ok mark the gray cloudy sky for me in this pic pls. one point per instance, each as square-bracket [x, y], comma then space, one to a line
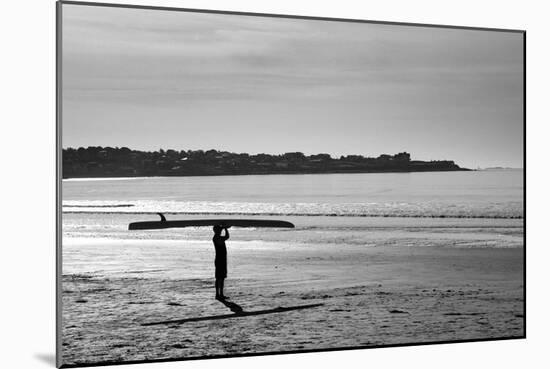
[150, 79]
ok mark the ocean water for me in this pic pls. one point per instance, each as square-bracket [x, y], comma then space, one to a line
[445, 209]
[494, 194]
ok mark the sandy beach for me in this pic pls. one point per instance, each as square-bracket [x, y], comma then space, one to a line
[151, 296]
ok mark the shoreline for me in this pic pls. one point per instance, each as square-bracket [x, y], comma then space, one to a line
[274, 174]
[243, 214]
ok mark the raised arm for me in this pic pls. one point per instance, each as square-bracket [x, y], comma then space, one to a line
[226, 237]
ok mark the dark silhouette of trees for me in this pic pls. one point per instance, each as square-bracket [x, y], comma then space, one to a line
[96, 161]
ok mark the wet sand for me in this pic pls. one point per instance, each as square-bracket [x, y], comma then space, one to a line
[154, 299]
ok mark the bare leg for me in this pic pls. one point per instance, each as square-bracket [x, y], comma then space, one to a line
[218, 288]
[221, 288]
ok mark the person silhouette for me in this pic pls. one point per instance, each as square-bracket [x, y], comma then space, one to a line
[220, 261]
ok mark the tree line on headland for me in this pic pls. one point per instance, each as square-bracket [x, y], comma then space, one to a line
[97, 161]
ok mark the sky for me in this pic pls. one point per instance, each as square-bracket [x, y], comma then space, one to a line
[149, 79]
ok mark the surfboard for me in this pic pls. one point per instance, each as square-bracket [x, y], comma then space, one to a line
[163, 223]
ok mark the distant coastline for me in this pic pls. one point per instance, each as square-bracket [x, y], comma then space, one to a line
[108, 162]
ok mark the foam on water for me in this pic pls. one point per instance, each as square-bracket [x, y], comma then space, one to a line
[101, 179]
[314, 231]
[510, 209]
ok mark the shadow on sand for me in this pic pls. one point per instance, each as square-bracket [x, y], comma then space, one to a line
[238, 312]
[46, 358]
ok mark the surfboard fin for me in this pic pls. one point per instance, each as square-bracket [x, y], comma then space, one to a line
[162, 217]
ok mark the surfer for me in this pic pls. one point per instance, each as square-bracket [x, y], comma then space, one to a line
[221, 259]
